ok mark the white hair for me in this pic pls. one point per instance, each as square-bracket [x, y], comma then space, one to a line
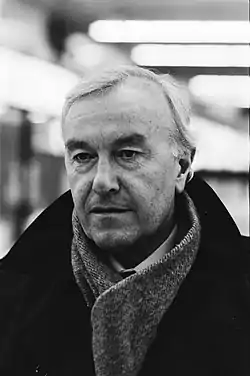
[102, 82]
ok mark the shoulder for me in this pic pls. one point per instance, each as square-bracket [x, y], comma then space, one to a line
[213, 214]
[35, 273]
[220, 237]
[47, 238]
[246, 244]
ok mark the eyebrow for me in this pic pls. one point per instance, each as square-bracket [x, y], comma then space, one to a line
[134, 139]
[74, 144]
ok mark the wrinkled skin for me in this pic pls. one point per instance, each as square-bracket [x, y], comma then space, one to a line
[118, 154]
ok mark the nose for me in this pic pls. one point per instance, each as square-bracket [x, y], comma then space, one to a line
[105, 179]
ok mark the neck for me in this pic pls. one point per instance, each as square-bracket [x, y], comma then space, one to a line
[133, 255]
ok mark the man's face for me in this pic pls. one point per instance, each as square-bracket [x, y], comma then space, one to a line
[119, 163]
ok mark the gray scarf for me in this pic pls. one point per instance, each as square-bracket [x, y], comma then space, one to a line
[125, 313]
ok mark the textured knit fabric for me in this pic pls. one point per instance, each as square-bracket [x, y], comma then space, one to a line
[126, 312]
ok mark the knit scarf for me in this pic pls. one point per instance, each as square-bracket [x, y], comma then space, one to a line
[125, 313]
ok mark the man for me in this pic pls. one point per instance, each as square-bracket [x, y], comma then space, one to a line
[141, 271]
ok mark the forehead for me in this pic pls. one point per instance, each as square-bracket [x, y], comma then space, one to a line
[136, 103]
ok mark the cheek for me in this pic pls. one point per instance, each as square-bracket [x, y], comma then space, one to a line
[79, 186]
[161, 181]
[72, 179]
[161, 191]
[152, 193]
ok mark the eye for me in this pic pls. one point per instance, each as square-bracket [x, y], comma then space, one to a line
[83, 157]
[127, 154]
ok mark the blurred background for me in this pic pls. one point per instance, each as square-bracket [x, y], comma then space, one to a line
[45, 45]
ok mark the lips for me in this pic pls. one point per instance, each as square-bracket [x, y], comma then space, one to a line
[108, 209]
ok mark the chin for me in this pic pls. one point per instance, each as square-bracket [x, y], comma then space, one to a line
[114, 240]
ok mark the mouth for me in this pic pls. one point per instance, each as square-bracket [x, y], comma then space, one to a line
[108, 210]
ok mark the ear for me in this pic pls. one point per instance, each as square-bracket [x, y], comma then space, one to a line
[184, 169]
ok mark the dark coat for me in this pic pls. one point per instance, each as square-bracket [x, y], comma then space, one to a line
[45, 324]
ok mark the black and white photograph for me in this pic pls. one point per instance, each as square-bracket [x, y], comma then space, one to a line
[124, 188]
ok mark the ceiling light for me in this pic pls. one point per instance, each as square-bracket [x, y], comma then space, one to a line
[33, 84]
[219, 147]
[191, 55]
[233, 91]
[161, 31]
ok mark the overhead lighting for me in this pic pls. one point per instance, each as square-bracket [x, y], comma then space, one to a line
[233, 91]
[191, 55]
[219, 147]
[33, 84]
[161, 31]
